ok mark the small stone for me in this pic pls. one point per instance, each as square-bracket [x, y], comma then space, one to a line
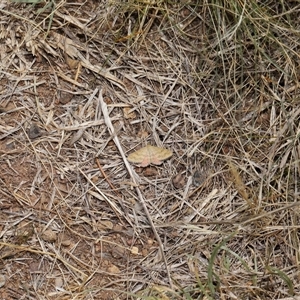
[34, 131]
[49, 236]
[113, 269]
[66, 243]
[198, 178]
[150, 171]
[150, 242]
[95, 179]
[105, 224]
[65, 97]
[178, 181]
[135, 250]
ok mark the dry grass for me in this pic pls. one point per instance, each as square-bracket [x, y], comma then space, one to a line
[85, 83]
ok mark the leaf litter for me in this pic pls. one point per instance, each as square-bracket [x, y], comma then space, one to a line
[204, 104]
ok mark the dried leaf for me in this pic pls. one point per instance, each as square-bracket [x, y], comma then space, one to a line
[66, 45]
[149, 155]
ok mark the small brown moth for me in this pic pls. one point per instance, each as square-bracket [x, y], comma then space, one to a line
[149, 155]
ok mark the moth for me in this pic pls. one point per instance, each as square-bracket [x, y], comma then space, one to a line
[149, 155]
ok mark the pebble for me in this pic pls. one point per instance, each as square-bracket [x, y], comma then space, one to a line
[178, 181]
[198, 178]
[49, 236]
[34, 131]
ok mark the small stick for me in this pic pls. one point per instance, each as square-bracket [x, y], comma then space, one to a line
[108, 201]
[113, 188]
[105, 176]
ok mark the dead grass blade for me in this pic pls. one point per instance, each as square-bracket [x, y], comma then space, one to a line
[129, 169]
